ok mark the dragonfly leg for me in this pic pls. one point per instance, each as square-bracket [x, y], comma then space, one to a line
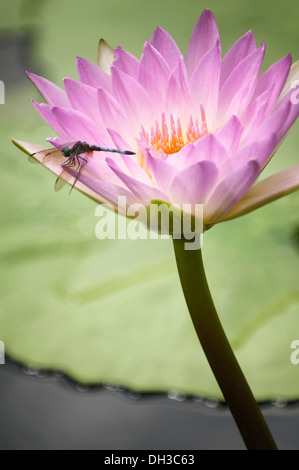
[78, 169]
[81, 165]
[69, 162]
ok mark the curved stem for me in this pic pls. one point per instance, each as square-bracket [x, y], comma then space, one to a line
[218, 351]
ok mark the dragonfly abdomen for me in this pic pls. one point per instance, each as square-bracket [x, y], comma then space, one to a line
[104, 149]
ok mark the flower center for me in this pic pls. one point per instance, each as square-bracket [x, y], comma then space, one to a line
[169, 137]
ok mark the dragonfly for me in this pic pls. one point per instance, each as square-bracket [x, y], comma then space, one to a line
[76, 156]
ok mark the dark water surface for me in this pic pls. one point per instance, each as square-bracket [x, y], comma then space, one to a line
[43, 413]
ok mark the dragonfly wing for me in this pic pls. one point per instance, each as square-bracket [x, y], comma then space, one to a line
[60, 182]
[44, 156]
[54, 158]
[48, 155]
[66, 177]
[32, 159]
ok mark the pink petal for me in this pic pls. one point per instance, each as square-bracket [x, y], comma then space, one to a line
[239, 87]
[134, 99]
[105, 56]
[230, 191]
[230, 134]
[28, 147]
[206, 148]
[51, 93]
[268, 190]
[293, 114]
[178, 160]
[165, 44]
[83, 98]
[241, 49]
[293, 77]
[113, 115]
[178, 100]
[129, 161]
[109, 192]
[162, 172]
[204, 84]
[261, 151]
[193, 184]
[257, 110]
[128, 164]
[135, 170]
[125, 62]
[85, 129]
[57, 142]
[273, 124]
[46, 111]
[92, 75]
[143, 192]
[273, 80]
[204, 37]
[98, 168]
[153, 74]
[73, 125]
[118, 140]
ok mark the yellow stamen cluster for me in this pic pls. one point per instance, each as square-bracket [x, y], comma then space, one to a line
[170, 138]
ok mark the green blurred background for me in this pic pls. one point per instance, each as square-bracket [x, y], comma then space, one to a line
[112, 311]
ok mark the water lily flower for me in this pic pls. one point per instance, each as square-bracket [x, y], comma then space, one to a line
[203, 128]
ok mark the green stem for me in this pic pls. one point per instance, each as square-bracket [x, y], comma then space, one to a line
[218, 351]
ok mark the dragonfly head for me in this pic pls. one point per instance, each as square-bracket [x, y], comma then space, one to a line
[66, 151]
